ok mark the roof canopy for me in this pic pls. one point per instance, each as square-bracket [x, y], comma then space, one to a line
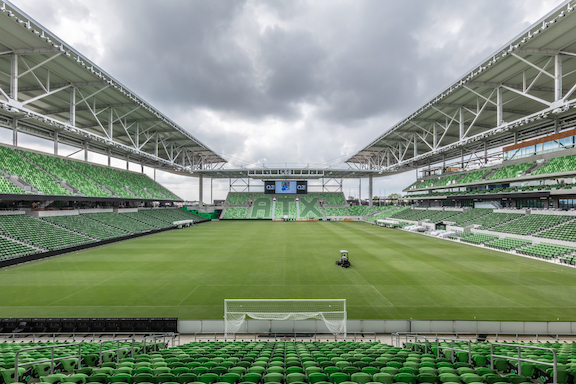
[50, 90]
[524, 90]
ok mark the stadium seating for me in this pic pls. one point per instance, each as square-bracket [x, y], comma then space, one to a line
[496, 218]
[473, 176]
[86, 226]
[309, 207]
[558, 164]
[357, 210]
[7, 187]
[479, 238]
[547, 251]
[285, 206]
[333, 198]
[10, 249]
[63, 171]
[530, 224]
[15, 165]
[98, 174]
[120, 221]
[262, 207]
[388, 212]
[469, 216]
[508, 243]
[565, 232]
[238, 198]
[39, 233]
[235, 213]
[335, 212]
[511, 171]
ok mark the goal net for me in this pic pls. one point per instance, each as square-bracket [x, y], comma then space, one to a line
[331, 311]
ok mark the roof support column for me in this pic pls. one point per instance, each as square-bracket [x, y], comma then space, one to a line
[434, 136]
[14, 78]
[109, 156]
[15, 132]
[86, 151]
[499, 118]
[56, 143]
[200, 190]
[73, 106]
[415, 146]
[370, 189]
[557, 78]
[111, 123]
[461, 123]
[485, 152]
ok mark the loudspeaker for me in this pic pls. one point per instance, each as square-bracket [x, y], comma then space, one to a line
[68, 325]
[142, 325]
[83, 325]
[37, 326]
[112, 325]
[53, 325]
[127, 325]
[98, 325]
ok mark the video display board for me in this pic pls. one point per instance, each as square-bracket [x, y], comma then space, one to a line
[286, 187]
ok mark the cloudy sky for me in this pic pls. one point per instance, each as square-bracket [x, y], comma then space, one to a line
[295, 82]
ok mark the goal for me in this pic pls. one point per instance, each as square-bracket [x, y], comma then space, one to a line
[331, 311]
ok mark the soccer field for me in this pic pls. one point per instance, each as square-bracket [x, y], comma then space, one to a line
[188, 273]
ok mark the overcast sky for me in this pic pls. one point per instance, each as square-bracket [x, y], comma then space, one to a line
[291, 82]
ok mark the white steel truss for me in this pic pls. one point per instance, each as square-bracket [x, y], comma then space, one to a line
[49, 90]
[524, 90]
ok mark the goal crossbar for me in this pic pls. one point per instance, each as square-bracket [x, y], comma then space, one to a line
[331, 311]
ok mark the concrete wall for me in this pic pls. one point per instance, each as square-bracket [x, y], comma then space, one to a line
[387, 326]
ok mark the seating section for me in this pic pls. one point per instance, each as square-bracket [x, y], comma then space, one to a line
[285, 206]
[292, 362]
[336, 212]
[389, 212]
[262, 207]
[558, 164]
[496, 218]
[565, 232]
[357, 210]
[511, 171]
[508, 243]
[479, 238]
[235, 213]
[15, 165]
[433, 215]
[56, 176]
[309, 208]
[98, 174]
[238, 198]
[170, 215]
[120, 221]
[333, 198]
[146, 219]
[530, 224]
[39, 233]
[469, 216]
[63, 171]
[547, 251]
[10, 249]
[86, 226]
[7, 187]
[473, 176]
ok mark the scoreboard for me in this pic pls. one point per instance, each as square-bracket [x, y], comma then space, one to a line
[286, 187]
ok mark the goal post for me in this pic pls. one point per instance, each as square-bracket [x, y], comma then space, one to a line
[331, 311]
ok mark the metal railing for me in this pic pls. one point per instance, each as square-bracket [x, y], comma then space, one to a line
[439, 347]
[52, 358]
[554, 365]
[117, 349]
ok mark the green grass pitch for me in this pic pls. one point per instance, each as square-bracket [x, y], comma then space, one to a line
[188, 273]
